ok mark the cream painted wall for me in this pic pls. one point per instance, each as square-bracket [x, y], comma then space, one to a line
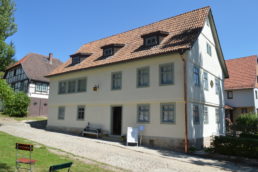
[199, 57]
[98, 104]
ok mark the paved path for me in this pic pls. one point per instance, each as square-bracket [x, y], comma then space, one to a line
[129, 158]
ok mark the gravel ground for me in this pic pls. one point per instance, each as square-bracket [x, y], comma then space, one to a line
[129, 158]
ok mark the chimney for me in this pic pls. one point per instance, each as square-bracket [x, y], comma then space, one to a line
[50, 58]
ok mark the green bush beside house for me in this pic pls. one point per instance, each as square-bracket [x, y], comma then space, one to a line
[246, 144]
[13, 103]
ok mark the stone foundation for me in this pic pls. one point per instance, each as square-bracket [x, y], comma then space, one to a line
[199, 143]
[164, 142]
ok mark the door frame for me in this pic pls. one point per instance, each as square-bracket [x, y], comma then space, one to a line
[111, 118]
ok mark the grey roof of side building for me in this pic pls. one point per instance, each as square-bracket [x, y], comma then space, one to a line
[36, 66]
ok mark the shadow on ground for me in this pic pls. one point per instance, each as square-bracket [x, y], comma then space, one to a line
[212, 162]
[38, 124]
[5, 168]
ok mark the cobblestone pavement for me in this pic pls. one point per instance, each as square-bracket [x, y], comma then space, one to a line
[129, 158]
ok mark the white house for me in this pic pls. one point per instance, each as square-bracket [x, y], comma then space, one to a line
[241, 88]
[28, 75]
[167, 76]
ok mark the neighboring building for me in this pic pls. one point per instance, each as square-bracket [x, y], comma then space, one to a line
[28, 75]
[241, 88]
[145, 76]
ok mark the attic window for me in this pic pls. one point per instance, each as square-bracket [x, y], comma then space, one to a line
[111, 49]
[79, 57]
[108, 52]
[154, 38]
[151, 41]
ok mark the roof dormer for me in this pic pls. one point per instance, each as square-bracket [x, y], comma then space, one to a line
[153, 38]
[111, 49]
[79, 57]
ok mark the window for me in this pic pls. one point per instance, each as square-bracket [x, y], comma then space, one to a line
[41, 87]
[256, 94]
[116, 81]
[62, 87]
[143, 113]
[196, 114]
[196, 73]
[82, 85]
[166, 74]
[80, 112]
[206, 81]
[75, 60]
[168, 113]
[205, 115]
[208, 46]
[217, 83]
[230, 94]
[107, 52]
[71, 86]
[151, 41]
[61, 112]
[244, 110]
[143, 77]
[217, 115]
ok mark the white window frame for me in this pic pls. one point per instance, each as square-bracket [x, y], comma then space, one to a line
[61, 113]
[196, 76]
[143, 77]
[205, 81]
[196, 111]
[80, 111]
[205, 115]
[143, 110]
[208, 49]
[172, 110]
[169, 74]
[116, 80]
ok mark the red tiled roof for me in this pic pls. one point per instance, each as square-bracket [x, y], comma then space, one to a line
[242, 73]
[183, 30]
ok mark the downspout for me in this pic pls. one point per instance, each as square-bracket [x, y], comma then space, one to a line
[186, 142]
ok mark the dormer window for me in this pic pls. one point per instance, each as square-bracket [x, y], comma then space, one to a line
[151, 41]
[108, 52]
[79, 57]
[111, 49]
[153, 38]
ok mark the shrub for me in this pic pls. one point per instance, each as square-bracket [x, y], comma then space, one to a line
[228, 145]
[14, 104]
[247, 124]
[252, 136]
[18, 106]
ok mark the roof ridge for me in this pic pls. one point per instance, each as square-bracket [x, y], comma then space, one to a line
[144, 26]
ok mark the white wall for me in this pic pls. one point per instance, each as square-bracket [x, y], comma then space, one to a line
[198, 56]
[98, 104]
[32, 92]
[241, 98]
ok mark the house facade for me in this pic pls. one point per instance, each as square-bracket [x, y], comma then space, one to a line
[28, 76]
[167, 76]
[241, 88]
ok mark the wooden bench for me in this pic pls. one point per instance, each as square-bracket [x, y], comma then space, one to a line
[91, 131]
[60, 166]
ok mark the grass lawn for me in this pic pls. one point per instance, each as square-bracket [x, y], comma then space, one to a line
[44, 157]
[35, 118]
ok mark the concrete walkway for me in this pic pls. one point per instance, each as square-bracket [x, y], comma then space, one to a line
[129, 158]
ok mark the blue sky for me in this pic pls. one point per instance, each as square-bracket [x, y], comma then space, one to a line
[62, 26]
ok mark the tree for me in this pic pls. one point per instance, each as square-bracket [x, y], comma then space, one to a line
[7, 29]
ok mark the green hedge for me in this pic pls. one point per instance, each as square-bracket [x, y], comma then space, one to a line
[251, 136]
[247, 123]
[228, 145]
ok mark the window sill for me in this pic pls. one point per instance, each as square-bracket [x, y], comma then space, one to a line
[173, 123]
